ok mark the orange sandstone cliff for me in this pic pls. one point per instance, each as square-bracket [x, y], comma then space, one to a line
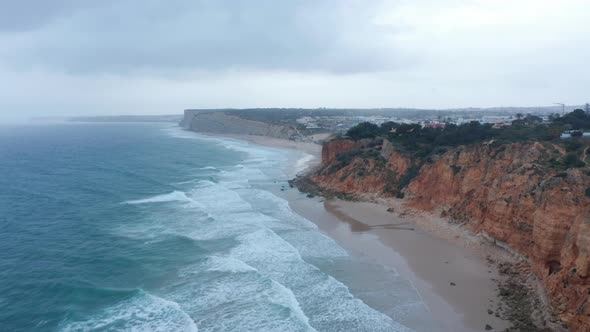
[511, 193]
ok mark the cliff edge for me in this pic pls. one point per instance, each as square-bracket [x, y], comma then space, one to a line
[511, 193]
[220, 122]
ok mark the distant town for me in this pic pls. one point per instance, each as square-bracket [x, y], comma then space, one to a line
[438, 119]
[338, 121]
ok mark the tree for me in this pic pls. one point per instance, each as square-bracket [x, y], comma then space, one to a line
[518, 123]
[552, 132]
[519, 116]
[409, 128]
[578, 113]
[363, 130]
[571, 161]
[387, 126]
[576, 119]
[532, 119]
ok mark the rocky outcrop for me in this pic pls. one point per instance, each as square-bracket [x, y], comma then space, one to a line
[511, 193]
[220, 122]
[355, 167]
[332, 149]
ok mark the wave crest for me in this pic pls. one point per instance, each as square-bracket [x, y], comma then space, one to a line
[175, 196]
[143, 312]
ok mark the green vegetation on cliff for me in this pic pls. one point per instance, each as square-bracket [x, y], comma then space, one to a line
[422, 142]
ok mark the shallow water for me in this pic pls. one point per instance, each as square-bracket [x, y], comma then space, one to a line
[148, 227]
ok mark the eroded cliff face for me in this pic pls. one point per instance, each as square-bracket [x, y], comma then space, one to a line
[370, 167]
[223, 123]
[510, 192]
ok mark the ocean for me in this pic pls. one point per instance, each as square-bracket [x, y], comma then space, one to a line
[146, 227]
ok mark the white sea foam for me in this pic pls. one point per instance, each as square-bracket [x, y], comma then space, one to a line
[178, 132]
[264, 247]
[253, 150]
[312, 243]
[228, 264]
[272, 205]
[175, 196]
[332, 304]
[247, 301]
[186, 182]
[218, 199]
[266, 272]
[209, 167]
[143, 312]
[303, 163]
[289, 301]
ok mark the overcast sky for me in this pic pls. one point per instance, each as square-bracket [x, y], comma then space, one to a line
[75, 57]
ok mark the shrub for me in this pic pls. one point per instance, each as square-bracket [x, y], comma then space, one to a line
[405, 180]
[587, 192]
[578, 119]
[456, 169]
[346, 158]
[390, 182]
[572, 145]
[424, 143]
[363, 130]
[571, 160]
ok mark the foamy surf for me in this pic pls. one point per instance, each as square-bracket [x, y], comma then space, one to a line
[220, 252]
[175, 196]
[143, 312]
[257, 270]
[303, 163]
[289, 301]
[228, 264]
[186, 182]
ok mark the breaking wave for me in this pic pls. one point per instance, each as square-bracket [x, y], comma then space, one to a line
[175, 196]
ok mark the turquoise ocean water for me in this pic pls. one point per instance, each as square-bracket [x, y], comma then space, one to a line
[145, 227]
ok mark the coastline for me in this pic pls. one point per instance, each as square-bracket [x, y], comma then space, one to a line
[309, 148]
[445, 273]
[445, 263]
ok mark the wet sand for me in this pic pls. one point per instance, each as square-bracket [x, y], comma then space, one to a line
[429, 262]
[310, 148]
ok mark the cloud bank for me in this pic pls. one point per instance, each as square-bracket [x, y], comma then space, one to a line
[146, 57]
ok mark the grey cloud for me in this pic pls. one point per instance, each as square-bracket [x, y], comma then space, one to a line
[24, 15]
[136, 36]
[133, 56]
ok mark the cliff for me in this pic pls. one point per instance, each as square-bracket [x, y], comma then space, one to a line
[223, 123]
[513, 193]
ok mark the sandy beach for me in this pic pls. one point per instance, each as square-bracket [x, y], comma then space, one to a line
[310, 148]
[453, 277]
[445, 264]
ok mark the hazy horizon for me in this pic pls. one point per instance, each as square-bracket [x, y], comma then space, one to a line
[65, 117]
[68, 58]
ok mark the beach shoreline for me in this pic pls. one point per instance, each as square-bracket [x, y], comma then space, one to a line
[446, 264]
[307, 147]
[445, 273]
